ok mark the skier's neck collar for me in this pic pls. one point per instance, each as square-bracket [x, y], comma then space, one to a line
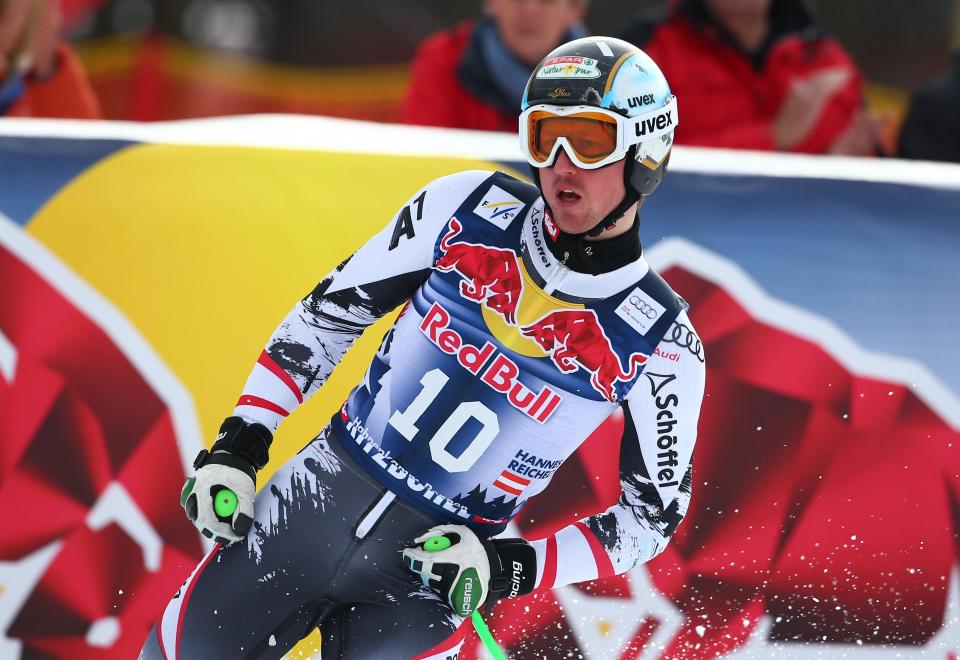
[599, 256]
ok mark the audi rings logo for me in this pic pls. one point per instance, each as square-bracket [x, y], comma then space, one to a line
[643, 307]
[640, 310]
[684, 337]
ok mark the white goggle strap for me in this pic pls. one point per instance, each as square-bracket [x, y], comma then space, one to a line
[652, 124]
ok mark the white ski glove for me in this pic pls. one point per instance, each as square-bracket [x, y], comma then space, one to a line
[218, 498]
[467, 571]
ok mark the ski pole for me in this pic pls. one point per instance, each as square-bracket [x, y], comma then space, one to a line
[486, 637]
[438, 543]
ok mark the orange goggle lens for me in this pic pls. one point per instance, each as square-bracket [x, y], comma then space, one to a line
[593, 136]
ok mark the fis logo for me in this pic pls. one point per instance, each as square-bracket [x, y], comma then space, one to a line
[498, 207]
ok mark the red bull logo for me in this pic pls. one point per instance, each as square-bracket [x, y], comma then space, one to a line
[574, 339]
[501, 373]
[491, 275]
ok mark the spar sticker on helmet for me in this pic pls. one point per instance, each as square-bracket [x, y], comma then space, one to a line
[569, 66]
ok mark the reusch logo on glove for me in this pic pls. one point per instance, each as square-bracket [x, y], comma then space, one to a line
[462, 597]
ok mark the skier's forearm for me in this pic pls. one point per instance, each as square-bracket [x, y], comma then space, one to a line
[298, 359]
[609, 543]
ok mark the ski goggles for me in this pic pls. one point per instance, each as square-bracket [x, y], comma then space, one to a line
[592, 137]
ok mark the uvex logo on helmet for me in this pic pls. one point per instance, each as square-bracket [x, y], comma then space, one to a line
[657, 123]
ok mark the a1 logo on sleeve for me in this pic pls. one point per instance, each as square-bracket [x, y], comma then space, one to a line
[498, 207]
[640, 311]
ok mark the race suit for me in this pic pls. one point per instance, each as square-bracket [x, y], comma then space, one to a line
[500, 364]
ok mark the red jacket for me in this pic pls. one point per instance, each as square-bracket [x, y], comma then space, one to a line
[727, 100]
[65, 94]
[436, 97]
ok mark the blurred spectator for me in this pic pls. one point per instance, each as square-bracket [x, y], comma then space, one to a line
[40, 76]
[931, 130]
[473, 75]
[759, 74]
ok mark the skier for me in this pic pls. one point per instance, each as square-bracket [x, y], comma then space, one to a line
[530, 315]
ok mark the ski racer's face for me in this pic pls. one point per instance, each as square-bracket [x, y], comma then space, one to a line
[580, 198]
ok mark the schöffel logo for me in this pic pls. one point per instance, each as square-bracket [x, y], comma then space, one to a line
[666, 435]
[640, 311]
[538, 241]
[498, 207]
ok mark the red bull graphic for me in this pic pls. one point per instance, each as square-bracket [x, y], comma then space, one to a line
[491, 274]
[91, 461]
[574, 339]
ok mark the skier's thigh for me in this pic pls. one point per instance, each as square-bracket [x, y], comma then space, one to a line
[225, 610]
[422, 627]
[264, 594]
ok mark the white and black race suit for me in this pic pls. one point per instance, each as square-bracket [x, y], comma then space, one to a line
[500, 364]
